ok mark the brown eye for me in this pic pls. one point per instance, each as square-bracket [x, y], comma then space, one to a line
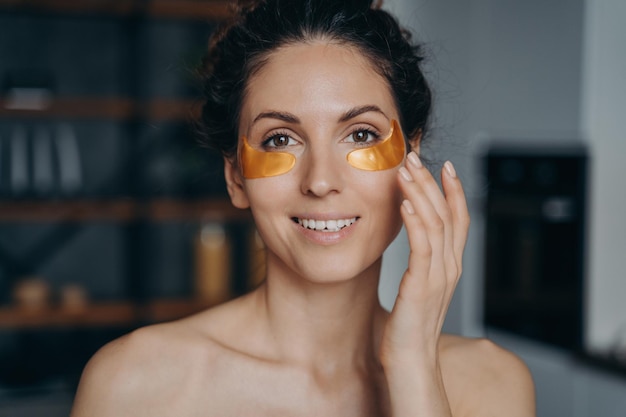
[278, 141]
[360, 136]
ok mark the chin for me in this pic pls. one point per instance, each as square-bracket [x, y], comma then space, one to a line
[338, 271]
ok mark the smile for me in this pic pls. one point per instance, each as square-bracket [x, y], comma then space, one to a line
[325, 225]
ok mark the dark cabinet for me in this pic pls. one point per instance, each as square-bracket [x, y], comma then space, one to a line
[104, 192]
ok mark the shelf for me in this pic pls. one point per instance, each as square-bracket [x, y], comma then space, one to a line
[111, 108]
[170, 9]
[80, 108]
[204, 210]
[87, 210]
[111, 314]
[98, 315]
[121, 210]
[171, 110]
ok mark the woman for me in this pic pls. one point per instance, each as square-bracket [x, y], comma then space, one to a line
[320, 108]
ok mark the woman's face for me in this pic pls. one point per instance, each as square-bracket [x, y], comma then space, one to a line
[322, 219]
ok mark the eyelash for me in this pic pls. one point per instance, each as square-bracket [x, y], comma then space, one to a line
[375, 135]
[267, 143]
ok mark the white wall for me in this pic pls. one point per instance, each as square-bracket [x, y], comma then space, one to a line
[603, 110]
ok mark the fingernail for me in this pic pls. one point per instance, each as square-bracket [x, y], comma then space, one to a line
[414, 159]
[408, 206]
[450, 169]
[405, 174]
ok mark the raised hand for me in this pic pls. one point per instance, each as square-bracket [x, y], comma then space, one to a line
[437, 225]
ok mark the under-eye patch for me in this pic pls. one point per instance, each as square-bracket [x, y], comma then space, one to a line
[258, 164]
[386, 154]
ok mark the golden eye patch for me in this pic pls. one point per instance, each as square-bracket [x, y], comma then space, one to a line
[384, 155]
[258, 164]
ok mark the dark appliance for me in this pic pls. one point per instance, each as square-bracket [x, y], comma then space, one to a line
[535, 241]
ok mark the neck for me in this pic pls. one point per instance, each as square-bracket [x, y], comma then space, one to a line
[324, 326]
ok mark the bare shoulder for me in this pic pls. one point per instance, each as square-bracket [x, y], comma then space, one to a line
[152, 367]
[484, 379]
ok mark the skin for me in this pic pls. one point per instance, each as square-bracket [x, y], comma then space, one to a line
[314, 340]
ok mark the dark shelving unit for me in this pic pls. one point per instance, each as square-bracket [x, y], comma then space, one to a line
[118, 73]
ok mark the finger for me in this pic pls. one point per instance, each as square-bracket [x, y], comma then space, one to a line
[455, 197]
[423, 177]
[414, 280]
[420, 246]
[416, 291]
[429, 201]
[431, 224]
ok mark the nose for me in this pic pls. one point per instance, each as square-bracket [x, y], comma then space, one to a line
[321, 172]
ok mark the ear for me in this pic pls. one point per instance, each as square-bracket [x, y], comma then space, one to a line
[415, 142]
[234, 184]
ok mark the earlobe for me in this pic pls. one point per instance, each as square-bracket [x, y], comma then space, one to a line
[234, 184]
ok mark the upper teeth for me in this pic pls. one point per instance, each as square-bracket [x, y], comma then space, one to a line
[326, 225]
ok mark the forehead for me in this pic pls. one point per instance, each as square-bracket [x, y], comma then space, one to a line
[317, 78]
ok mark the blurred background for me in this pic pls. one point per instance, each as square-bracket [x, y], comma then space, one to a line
[529, 101]
[112, 217]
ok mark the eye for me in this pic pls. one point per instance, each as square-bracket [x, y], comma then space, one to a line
[279, 140]
[363, 136]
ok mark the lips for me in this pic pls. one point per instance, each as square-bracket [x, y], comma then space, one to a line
[330, 225]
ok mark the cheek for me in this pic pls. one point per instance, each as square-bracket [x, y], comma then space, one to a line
[384, 184]
[384, 200]
[381, 192]
[269, 196]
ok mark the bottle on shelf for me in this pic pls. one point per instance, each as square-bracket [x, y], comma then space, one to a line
[212, 264]
[70, 172]
[43, 169]
[19, 161]
[32, 294]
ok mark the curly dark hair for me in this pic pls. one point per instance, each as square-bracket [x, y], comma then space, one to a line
[241, 46]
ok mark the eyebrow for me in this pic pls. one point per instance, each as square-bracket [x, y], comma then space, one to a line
[285, 117]
[290, 118]
[356, 111]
